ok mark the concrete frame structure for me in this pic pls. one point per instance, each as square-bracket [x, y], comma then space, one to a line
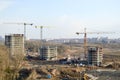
[95, 55]
[15, 43]
[48, 53]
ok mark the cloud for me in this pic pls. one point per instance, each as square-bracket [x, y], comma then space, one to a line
[5, 4]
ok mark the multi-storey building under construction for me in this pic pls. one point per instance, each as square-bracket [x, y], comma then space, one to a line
[95, 55]
[15, 43]
[48, 53]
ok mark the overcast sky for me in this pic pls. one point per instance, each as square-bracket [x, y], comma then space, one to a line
[62, 18]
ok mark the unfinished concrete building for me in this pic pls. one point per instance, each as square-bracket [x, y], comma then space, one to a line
[95, 55]
[48, 53]
[15, 43]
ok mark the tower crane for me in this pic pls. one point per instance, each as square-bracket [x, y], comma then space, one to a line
[24, 27]
[41, 33]
[85, 38]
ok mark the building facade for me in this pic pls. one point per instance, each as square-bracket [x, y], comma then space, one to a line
[95, 56]
[48, 53]
[15, 43]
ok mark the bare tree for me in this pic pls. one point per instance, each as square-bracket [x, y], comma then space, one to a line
[10, 65]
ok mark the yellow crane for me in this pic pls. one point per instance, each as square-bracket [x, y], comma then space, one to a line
[85, 38]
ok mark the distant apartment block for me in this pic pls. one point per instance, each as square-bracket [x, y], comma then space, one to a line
[15, 43]
[95, 55]
[48, 53]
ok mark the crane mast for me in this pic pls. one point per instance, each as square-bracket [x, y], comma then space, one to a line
[24, 30]
[85, 38]
[41, 34]
[24, 27]
[85, 43]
